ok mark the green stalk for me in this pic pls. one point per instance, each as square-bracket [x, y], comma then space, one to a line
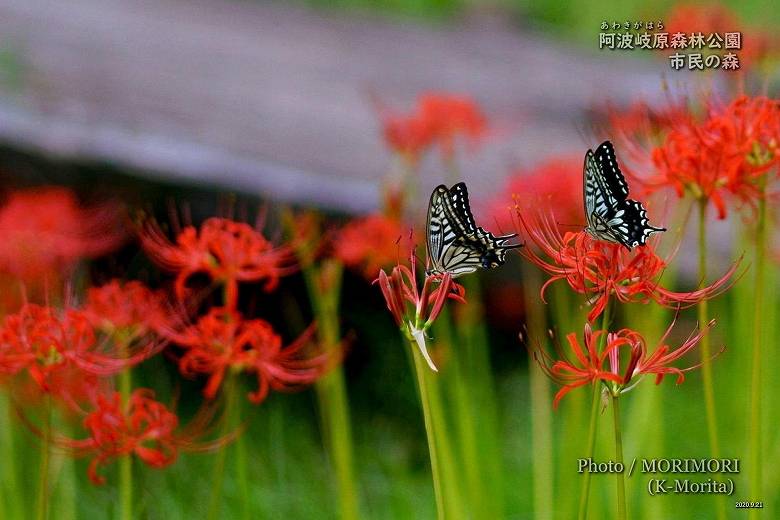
[619, 476]
[42, 512]
[9, 455]
[125, 463]
[594, 414]
[230, 389]
[572, 413]
[331, 388]
[420, 366]
[704, 345]
[449, 472]
[706, 355]
[754, 477]
[241, 458]
[467, 435]
[541, 410]
[592, 428]
[469, 383]
[323, 285]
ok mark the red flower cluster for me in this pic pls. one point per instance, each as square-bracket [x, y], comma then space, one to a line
[222, 339]
[45, 233]
[725, 153]
[552, 185]
[142, 427]
[129, 309]
[589, 365]
[600, 269]
[44, 341]
[717, 18]
[371, 243]
[439, 119]
[415, 310]
[227, 251]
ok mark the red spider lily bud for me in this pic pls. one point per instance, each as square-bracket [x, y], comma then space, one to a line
[413, 310]
[393, 295]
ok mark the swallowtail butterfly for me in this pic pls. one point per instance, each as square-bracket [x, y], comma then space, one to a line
[611, 215]
[455, 244]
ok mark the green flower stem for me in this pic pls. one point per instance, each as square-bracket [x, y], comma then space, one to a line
[420, 366]
[42, 505]
[619, 476]
[242, 475]
[704, 345]
[231, 391]
[541, 411]
[706, 352]
[594, 414]
[9, 455]
[125, 463]
[448, 470]
[331, 388]
[592, 428]
[754, 460]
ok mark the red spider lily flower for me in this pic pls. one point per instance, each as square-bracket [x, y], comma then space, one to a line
[129, 309]
[718, 18]
[725, 153]
[415, 310]
[139, 426]
[600, 270]
[69, 385]
[222, 340]
[590, 366]
[659, 362]
[640, 127]
[451, 116]
[44, 341]
[143, 427]
[554, 184]
[228, 251]
[371, 243]
[439, 119]
[45, 232]
[642, 119]
[408, 136]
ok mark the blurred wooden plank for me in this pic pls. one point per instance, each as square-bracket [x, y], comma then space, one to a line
[271, 99]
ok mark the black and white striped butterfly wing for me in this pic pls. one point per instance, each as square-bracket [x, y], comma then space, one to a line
[461, 209]
[611, 216]
[439, 230]
[614, 179]
[632, 225]
[455, 244]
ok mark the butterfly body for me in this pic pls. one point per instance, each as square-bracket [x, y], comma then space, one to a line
[456, 245]
[611, 215]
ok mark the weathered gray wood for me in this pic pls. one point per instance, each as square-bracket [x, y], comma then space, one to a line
[273, 99]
